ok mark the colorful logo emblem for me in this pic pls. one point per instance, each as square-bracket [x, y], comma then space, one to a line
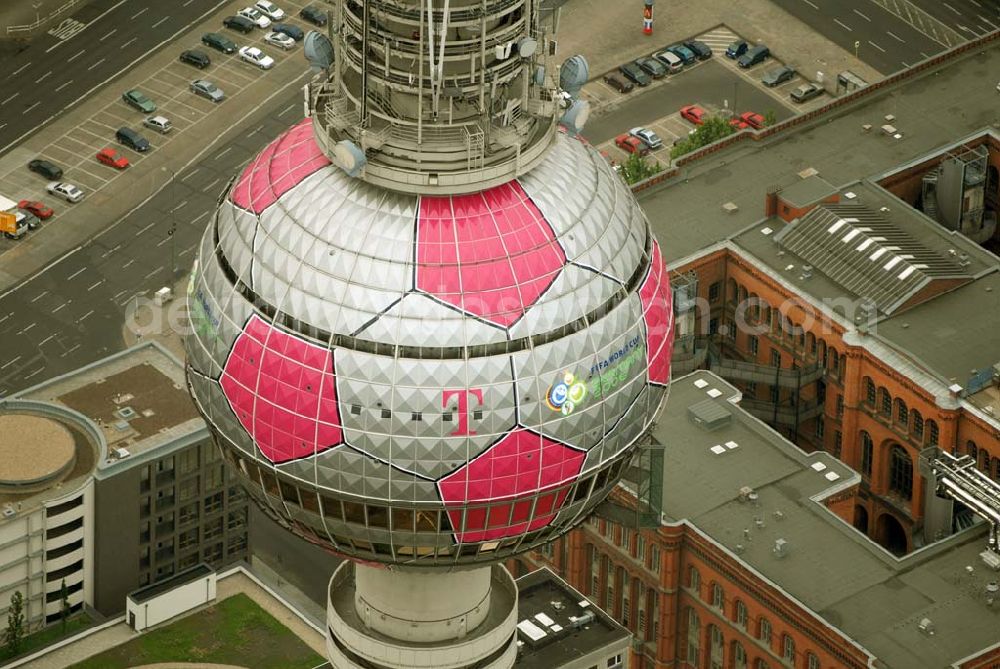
[565, 394]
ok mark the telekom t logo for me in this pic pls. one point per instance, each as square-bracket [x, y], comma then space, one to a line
[463, 407]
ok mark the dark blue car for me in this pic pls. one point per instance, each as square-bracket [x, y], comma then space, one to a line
[682, 52]
[292, 31]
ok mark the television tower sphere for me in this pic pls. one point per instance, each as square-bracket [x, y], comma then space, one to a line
[444, 350]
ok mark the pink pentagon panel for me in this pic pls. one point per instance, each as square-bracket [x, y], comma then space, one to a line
[280, 166]
[657, 312]
[283, 392]
[490, 254]
[510, 474]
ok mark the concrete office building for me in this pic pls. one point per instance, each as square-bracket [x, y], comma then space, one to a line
[109, 481]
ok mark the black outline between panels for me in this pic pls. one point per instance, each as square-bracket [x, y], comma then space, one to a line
[598, 272]
[469, 314]
[371, 321]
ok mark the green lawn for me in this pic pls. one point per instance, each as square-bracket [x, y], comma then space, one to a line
[47, 636]
[234, 631]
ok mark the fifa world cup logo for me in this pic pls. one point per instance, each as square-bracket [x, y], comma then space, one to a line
[566, 393]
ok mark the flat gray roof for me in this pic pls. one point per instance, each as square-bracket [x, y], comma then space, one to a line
[873, 597]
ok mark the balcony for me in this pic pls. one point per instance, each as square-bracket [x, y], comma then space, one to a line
[736, 370]
[785, 415]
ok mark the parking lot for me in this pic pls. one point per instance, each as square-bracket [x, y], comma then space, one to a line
[717, 84]
[75, 151]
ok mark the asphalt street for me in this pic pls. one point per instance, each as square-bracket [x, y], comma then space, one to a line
[72, 313]
[89, 48]
[707, 84]
[970, 18]
[884, 40]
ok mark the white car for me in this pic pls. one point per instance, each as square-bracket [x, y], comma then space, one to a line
[255, 16]
[66, 191]
[160, 124]
[280, 40]
[645, 134]
[252, 54]
[270, 10]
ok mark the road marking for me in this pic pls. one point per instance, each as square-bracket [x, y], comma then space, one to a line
[287, 109]
[33, 324]
[110, 251]
[60, 307]
[140, 13]
[182, 204]
[813, 5]
[976, 3]
[86, 25]
[70, 351]
[96, 64]
[63, 85]
[158, 269]
[905, 64]
[164, 241]
[223, 152]
[18, 70]
[2, 126]
[42, 78]
[924, 55]
[187, 250]
[199, 217]
[191, 174]
[8, 99]
[46, 340]
[11, 362]
[40, 296]
[147, 227]
[84, 317]
[114, 30]
[209, 186]
[33, 105]
[75, 56]
[95, 285]
[159, 22]
[986, 21]
[128, 42]
[187, 3]
[951, 8]
[895, 37]
[36, 372]
[4, 318]
[76, 274]
[876, 46]
[862, 16]
[125, 266]
[66, 29]
[843, 25]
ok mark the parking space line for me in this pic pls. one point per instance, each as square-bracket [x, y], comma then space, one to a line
[43, 77]
[843, 25]
[33, 105]
[76, 55]
[96, 64]
[876, 46]
[146, 227]
[63, 85]
[159, 22]
[895, 37]
[76, 273]
[150, 275]
[811, 4]
[128, 43]
[18, 70]
[95, 285]
[862, 16]
[139, 13]
[223, 152]
[113, 31]
[209, 186]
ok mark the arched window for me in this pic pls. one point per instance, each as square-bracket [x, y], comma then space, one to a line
[834, 361]
[716, 644]
[764, 631]
[885, 402]
[932, 432]
[742, 292]
[996, 469]
[917, 425]
[870, 396]
[972, 450]
[788, 648]
[740, 613]
[717, 597]
[739, 655]
[812, 662]
[693, 638]
[811, 344]
[732, 292]
[842, 372]
[694, 580]
[821, 351]
[902, 413]
[761, 664]
[867, 449]
[984, 461]
[754, 307]
[900, 472]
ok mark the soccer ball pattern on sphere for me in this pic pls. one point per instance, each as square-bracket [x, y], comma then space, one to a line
[431, 380]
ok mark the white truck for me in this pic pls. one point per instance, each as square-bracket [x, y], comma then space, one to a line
[13, 222]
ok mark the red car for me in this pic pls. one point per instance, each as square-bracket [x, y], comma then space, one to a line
[738, 123]
[752, 119]
[36, 208]
[631, 144]
[112, 158]
[693, 113]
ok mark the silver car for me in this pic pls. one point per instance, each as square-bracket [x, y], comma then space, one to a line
[207, 89]
[66, 191]
[645, 134]
[160, 124]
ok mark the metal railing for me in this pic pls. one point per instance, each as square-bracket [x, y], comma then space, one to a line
[40, 21]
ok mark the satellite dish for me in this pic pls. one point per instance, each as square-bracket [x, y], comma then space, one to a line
[573, 74]
[576, 117]
[349, 157]
[318, 50]
[527, 47]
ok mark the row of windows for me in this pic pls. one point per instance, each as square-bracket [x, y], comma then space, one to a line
[900, 466]
[740, 617]
[716, 647]
[987, 465]
[899, 414]
[623, 537]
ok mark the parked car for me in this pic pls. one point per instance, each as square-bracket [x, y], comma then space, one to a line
[239, 24]
[219, 42]
[256, 16]
[778, 75]
[197, 58]
[806, 92]
[738, 123]
[255, 56]
[652, 67]
[36, 208]
[30, 219]
[160, 124]
[112, 158]
[280, 40]
[270, 10]
[66, 191]
[132, 139]
[634, 73]
[693, 113]
[619, 84]
[671, 60]
[45, 168]
[207, 89]
[682, 52]
[138, 100]
[648, 136]
[753, 119]
[700, 49]
[737, 49]
[631, 144]
[758, 54]
[313, 15]
[289, 29]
